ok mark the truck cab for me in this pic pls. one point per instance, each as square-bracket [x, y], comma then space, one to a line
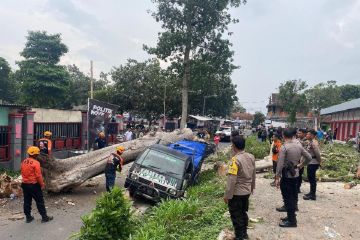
[165, 171]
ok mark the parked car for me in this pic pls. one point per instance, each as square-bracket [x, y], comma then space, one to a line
[224, 132]
[166, 171]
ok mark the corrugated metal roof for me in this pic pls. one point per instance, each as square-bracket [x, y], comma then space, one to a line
[13, 105]
[200, 118]
[341, 107]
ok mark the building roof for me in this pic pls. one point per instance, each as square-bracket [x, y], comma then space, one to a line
[201, 118]
[341, 107]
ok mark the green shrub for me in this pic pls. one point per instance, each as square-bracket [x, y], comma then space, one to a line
[111, 218]
[200, 216]
[256, 148]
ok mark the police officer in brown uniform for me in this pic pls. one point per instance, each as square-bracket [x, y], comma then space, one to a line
[289, 158]
[301, 137]
[240, 184]
[313, 164]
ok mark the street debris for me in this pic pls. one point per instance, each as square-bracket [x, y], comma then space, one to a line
[9, 187]
[16, 217]
[256, 220]
[330, 233]
[71, 203]
[350, 185]
[226, 234]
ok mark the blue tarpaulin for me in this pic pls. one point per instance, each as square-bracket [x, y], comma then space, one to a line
[191, 148]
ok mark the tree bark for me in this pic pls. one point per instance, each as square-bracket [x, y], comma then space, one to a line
[66, 174]
[185, 88]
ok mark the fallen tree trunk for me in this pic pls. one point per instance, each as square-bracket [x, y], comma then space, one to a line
[222, 168]
[65, 174]
[263, 164]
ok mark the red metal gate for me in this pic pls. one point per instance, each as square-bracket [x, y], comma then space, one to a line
[64, 135]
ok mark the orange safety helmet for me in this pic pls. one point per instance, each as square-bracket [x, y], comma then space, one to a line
[101, 134]
[120, 149]
[47, 134]
[33, 151]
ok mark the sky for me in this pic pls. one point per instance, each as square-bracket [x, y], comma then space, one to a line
[274, 41]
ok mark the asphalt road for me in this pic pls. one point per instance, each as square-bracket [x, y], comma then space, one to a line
[67, 217]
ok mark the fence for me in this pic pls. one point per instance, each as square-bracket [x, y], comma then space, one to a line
[5, 143]
[64, 135]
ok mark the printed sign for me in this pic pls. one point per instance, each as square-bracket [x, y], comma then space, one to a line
[100, 114]
[158, 178]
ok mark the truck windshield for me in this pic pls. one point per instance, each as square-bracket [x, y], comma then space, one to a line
[162, 162]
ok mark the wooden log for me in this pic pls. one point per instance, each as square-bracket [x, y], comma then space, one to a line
[66, 174]
[263, 164]
[222, 168]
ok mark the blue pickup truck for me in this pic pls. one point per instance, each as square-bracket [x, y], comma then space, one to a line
[166, 171]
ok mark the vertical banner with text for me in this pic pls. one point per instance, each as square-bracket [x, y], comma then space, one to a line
[100, 114]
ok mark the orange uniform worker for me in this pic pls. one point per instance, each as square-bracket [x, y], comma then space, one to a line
[115, 160]
[32, 185]
[275, 152]
[45, 144]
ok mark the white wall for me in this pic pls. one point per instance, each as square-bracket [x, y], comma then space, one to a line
[55, 115]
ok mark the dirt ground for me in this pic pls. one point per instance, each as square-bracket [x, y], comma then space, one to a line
[334, 215]
[336, 209]
[67, 209]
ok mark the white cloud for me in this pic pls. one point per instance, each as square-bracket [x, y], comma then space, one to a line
[346, 31]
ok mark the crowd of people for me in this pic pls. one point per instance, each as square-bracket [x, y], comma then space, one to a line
[292, 149]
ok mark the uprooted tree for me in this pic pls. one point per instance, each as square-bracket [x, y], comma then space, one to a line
[66, 174]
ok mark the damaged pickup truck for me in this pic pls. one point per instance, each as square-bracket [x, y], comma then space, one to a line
[166, 171]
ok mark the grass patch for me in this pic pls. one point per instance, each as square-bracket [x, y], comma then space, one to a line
[222, 156]
[200, 216]
[256, 148]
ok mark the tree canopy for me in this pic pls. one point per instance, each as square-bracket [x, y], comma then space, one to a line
[7, 84]
[43, 82]
[293, 98]
[191, 28]
[259, 118]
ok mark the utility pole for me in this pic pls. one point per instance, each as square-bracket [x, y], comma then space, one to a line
[91, 80]
[205, 97]
[164, 106]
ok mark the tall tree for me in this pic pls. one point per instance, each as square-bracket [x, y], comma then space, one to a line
[44, 83]
[7, 84]
[238, 108]
[190, 26]
[349, 92]
[323, 95]
[259, 118]
[139, 87]
[78, 91]
[293, 98]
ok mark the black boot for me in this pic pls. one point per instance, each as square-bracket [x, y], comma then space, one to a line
[245, 236]
[287, 224]
[29, 219]
[281, 209]
[47, 219]
[310, 197]
[289, 221]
